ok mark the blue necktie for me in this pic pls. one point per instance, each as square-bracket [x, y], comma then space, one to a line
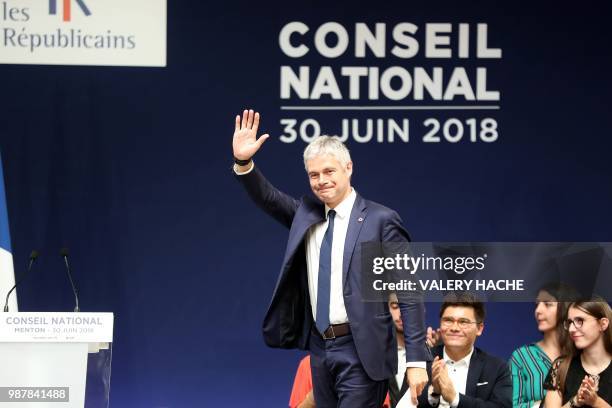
[323, 284]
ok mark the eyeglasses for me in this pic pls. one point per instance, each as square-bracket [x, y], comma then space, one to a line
[577, 321]
[462, 323]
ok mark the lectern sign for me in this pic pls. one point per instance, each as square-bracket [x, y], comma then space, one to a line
[56, 327]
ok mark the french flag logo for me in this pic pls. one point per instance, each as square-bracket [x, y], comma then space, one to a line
[67, 8]
[7, 273]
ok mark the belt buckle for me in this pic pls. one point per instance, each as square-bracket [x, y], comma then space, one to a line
[333, 335]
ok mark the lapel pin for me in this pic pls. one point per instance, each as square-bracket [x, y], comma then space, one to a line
[360, 219]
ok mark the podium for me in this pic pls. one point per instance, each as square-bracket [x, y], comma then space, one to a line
[59, 360]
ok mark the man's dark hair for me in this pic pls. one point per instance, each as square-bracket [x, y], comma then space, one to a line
[464, 299]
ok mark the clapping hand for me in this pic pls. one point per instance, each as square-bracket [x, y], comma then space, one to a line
[433, 337]
[587, 393]
[440, 380]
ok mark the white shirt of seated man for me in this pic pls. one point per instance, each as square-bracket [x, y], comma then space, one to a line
[459, 328]
[457, 372]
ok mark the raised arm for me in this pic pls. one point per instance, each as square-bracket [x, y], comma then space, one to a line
[245, 144]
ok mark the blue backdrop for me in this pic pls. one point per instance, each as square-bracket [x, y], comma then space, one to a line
[131, 169]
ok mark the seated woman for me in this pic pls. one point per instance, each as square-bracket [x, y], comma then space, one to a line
[531, 363]
[583, 378]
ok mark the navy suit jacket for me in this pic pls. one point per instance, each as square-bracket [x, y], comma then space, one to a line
[488, 385]
[288, 321]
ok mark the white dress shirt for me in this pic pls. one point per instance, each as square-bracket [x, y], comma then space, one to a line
[247, 171]
[457, 372]
[314, 239]
[400, 378]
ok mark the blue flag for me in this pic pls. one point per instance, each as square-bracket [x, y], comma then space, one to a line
[7, 274]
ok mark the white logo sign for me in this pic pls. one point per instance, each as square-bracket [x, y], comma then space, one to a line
[83, 32]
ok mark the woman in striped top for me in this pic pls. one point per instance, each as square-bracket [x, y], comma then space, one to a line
[531, 363]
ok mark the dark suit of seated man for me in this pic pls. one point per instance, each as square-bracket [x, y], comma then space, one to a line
[463, 376]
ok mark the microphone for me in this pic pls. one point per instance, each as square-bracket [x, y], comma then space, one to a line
[33, 256]
[64, 252]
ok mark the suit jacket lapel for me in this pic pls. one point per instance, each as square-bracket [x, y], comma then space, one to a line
[393, 390]
[312, 212]
[404, 388]
[356, 219]
[474, 372]
[396, 393]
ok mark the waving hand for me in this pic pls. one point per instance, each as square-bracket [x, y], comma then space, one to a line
[245, 143]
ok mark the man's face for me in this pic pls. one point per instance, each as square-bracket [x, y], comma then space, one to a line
[329, 180]
[458, 327]
[396, 315]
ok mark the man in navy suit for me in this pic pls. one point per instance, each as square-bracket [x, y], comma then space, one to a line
[317, 303]
[463, 376]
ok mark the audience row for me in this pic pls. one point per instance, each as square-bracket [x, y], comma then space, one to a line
[568, 367]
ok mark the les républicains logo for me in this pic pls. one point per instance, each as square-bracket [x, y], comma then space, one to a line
[67, 8]
[26, 33]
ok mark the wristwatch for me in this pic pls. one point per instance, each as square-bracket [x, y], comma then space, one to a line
[241, 162]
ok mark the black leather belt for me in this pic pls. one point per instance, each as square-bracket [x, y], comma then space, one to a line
[335, 330]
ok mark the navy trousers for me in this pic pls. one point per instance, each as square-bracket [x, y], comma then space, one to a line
[338, 378]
